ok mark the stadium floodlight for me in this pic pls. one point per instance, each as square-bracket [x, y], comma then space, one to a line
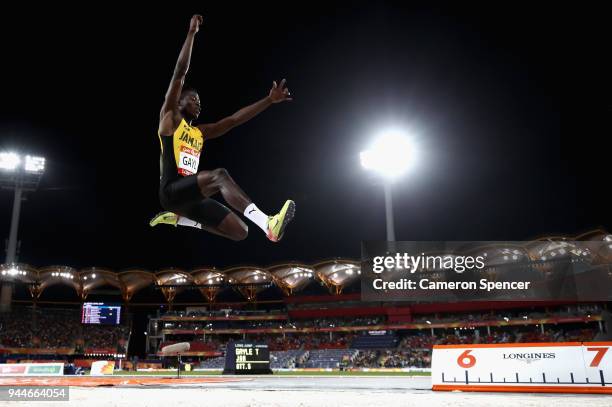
[34, 164]
[390, 155]
[9, 161]
[20, 174]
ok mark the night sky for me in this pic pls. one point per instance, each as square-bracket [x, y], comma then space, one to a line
[510, 106]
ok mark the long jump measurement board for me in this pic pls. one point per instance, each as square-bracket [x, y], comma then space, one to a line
[556, 367]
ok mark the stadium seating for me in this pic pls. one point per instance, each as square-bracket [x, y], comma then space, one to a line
[213, 363]
[374, 342]
[329, 358]
[286, 359]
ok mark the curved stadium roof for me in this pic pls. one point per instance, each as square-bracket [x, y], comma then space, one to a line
[290, 278]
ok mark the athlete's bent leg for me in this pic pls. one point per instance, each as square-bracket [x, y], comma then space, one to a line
[209, 183]
[182, 200]
[219, 180]
[231, 227]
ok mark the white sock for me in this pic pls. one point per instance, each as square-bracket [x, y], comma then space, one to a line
[257, 217]
[183, 221]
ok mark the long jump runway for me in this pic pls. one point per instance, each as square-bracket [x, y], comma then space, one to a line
[235, 391]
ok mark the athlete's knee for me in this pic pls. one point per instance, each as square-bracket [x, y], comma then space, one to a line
[241, 233]
[221, 174]
[233, 227]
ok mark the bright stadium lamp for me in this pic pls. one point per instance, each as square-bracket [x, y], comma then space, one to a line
[391, 155]
[9, 161]
[34, 164]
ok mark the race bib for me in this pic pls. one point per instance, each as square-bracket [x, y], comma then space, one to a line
[188, 161]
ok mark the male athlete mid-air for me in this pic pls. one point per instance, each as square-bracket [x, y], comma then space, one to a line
[186, 193]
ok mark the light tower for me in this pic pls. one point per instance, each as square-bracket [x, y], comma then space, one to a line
[20, 173]
[390, 156]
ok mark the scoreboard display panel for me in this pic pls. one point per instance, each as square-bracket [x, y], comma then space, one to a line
[99, 313]
[247, 358]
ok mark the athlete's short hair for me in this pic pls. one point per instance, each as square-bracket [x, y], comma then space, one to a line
[187, 90]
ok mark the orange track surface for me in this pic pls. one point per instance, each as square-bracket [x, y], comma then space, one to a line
[88, 381]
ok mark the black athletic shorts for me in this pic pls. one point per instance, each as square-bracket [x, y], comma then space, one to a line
[182, 195]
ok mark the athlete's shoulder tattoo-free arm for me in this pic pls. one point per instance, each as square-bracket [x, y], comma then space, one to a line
[173, 93]
[277, 94]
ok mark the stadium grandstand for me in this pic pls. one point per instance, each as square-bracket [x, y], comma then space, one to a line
[311, 316]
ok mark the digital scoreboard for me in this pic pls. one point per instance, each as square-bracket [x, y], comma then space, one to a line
[100, 314]
[247, 358]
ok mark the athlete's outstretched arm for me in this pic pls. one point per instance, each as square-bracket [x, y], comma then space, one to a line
[180, 70]
[278, 93]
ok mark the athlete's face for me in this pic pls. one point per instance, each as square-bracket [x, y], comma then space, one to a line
[190, 105]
